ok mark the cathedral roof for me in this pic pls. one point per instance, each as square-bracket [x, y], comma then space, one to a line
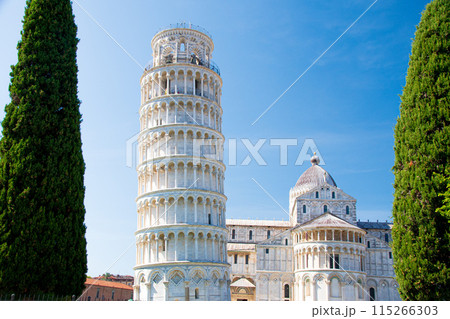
[313, 177]
[328, 220]
[258, 222]
[374, 225]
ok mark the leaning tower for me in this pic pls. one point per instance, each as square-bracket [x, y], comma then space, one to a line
[181, 235]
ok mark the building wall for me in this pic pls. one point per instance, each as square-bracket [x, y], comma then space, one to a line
[379, 258]
[276, 258]
[269, 262]
[270, 286]
[329, 285]
[101, 293]
[239, 231]
[380, 265]
[335, 200]
[243, 263]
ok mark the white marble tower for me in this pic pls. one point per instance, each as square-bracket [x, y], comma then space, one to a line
[181, 236]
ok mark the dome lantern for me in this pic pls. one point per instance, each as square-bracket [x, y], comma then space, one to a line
[315, 160]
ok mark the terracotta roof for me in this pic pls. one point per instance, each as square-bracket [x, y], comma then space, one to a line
[115, 277]
[122, 277]
[104, 283]
[257, 222]
[328, 220]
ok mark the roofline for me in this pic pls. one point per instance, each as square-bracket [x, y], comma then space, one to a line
[108, 284]
[317, 187]
[311, 220]
[228, 222]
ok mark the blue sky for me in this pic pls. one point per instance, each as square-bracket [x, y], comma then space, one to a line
[348, 102]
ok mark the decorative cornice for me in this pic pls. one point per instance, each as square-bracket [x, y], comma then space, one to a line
[167, 127]
[167, 228]
[179, 192]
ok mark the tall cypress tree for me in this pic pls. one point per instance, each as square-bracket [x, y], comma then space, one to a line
[42, 231]
[421, 242]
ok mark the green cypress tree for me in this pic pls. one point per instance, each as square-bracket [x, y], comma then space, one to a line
[42, 231]
[421, 242]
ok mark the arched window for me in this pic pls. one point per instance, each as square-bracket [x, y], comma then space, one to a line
[368, 244]
[268, 234]
[250, 235]
[335, 287]
[235, 258]
[372, 294]
[286, 291]
[386, 238]
[334, 261]
[169, 58]
[307, 288]
[182, 47]
[209, 219]
[360, 292]
[198, 90]
[325, 208]
[197, 293]
[286, 241]
[333, 195]
[347, 210]
[304, 209]
[233, 234]
[143, 287]
[317, 194]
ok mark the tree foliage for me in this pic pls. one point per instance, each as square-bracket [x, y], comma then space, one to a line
[422, 151]
[42, 231]
[106, 276]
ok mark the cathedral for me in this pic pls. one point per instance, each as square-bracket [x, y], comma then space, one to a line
[322, 253]
[186, 249]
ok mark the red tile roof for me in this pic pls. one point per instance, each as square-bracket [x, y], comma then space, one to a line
[116, 277]
[104, 283]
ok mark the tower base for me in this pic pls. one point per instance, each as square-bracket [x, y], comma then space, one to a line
[182, 281]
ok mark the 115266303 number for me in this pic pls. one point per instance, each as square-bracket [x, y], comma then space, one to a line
[380, 310]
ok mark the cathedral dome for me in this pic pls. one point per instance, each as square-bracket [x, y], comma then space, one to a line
[314, 176]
